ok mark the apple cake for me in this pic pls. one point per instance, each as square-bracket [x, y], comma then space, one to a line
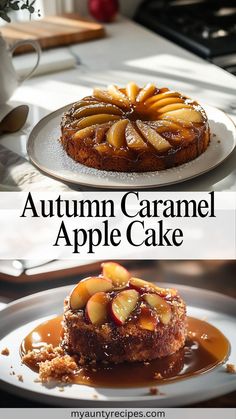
[134, 129]
[116, 318]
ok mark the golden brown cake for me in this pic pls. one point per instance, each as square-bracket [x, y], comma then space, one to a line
[117, 318]
[134, 129]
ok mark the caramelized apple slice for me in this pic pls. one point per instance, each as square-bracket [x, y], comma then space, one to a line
[116, 134]
[162, 308]
[83, 103]
[147, 319]
[133, 139]
[84, 133]
[118, 95]
[102, 148]
[96, 119]
[187, 115]
[97, 308]
[161, 96]
[146, 92]
[174, 107]
[165, 102]
[105, 96]
[97, 108]
[132, 91]
[86, 288]
[144, 286]
[157, 141]
[101, 130]
[117, 273]
[123, 304]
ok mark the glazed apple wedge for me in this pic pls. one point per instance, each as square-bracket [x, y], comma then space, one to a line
[116, 134]
[84, 133]
[146, 319]
[123, 305]
[96, 108]
[155, 139]
[185, 114]
[144, 286]
[161, 306]
[133, 139]
[116, 273]
[160, 96]
[132, 91]
[96, 119]
[116, 94]
[105, 96]
[86, 288]
[146, 92]
[97, 308]
[164, 102]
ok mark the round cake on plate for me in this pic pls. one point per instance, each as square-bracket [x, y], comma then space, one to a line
[134, 129]
[116, 318]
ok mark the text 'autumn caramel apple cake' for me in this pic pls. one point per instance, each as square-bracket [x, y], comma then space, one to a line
[135, 129]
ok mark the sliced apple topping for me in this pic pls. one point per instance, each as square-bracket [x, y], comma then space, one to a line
[155, 139]
[96, 119]
[146, 92]
[161, 96]
[116, 134]
[105, 96]
[123, 304]
[133, 139]
[101, 130]
[97, 308]
[86, 288]
[102, 148]
[84, 133]
[162, 308]
[164, 102]
[116, 94]
[97, 108]
[144, 286]
[83, 103]
[132, 91]
[173, 107]
[188, 115]
[147, 320]
[117, 273]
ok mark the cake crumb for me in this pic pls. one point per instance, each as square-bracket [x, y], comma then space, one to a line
[157, 376]
[5, 352]
[230, 368]
[61, 389]
[95, 396]
[153, 391]
[37, 380]
[46, 353]
[20, 378]
[60, 368]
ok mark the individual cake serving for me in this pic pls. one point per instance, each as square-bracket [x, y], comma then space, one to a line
[115, 318]
[134, 129]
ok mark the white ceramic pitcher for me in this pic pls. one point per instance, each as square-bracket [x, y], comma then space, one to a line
[9, 79]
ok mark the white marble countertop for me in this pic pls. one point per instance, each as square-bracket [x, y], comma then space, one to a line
[130, 52]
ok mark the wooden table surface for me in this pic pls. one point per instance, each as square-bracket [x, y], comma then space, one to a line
[216, 276]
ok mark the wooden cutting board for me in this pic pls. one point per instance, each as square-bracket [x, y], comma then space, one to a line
[53, 31]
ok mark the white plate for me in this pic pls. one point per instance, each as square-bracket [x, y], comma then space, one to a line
[46, 152]
[20, 317]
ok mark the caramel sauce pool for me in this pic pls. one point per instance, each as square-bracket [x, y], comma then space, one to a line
[206, 347]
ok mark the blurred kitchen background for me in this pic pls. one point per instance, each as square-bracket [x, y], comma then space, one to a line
[204, 27]
[19, 278]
